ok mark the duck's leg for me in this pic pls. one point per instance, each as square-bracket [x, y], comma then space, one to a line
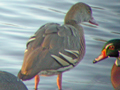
[59, 81]
[37, 79]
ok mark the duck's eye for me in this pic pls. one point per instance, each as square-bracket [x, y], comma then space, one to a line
[111, 47]
[88, 11]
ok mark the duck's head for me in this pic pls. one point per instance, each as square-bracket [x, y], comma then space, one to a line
[80, 12]
[110, 49]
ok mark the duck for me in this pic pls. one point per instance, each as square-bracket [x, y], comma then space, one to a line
[112, 49]
[55, 48]
[9, 81]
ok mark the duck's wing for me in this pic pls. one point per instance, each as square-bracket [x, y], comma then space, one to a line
[52, 47]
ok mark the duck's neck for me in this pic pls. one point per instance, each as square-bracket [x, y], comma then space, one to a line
[70, 22]
[117, 62]
[115, 76]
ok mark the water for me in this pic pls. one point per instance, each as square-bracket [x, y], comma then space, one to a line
[19, 19]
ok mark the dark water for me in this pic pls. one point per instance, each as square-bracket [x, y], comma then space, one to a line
[19, 19]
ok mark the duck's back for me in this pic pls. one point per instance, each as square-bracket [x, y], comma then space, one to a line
[53, 47]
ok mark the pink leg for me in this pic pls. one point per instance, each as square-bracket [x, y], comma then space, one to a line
[37, 79]
[59, 81]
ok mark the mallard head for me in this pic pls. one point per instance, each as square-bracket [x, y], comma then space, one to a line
[110, 49]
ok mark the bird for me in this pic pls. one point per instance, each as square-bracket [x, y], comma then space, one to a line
[9, 81]
[112, 49]
[55, 48]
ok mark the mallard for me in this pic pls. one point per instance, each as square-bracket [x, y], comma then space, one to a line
[112, 49]
[9, 81]
[56, 48]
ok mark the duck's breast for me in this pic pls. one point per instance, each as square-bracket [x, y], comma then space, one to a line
[115, 77]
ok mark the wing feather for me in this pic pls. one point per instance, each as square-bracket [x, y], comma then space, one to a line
[50, 39]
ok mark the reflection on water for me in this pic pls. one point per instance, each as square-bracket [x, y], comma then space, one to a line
[99, 39]
[115, 32]
[19, 19]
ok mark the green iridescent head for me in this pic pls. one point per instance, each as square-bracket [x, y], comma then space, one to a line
[110, 49]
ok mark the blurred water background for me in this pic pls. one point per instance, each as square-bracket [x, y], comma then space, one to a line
[19, 19]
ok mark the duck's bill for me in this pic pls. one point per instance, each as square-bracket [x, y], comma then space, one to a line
[100, 57]
[92, 21]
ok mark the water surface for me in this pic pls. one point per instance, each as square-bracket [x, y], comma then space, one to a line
[19, 19]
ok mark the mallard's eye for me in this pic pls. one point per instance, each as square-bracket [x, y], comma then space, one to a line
[111, 47]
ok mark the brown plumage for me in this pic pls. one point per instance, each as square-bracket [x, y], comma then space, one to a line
[57, 48]
[10, 82]
[115, 77]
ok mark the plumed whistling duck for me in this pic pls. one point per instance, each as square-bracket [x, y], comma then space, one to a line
[56, 48]
[112, 49]
[9, 81]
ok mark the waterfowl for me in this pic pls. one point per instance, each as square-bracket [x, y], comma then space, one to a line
[9, 81]
[56, 48]
[112, 49]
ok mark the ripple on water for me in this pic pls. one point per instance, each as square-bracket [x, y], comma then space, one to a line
[19, 19]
